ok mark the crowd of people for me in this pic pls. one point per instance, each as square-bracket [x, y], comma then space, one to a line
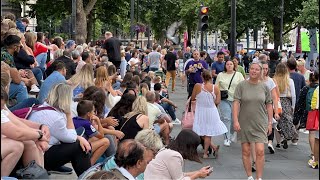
[91, 103]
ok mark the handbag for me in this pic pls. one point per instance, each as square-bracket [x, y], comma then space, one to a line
[24, 113]
[32, 171]
[313, 120]
[224, 93]
[188, 116]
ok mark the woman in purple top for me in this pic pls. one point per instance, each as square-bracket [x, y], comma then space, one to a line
[194, 70]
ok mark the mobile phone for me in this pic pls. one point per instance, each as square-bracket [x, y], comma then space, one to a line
[210, 169]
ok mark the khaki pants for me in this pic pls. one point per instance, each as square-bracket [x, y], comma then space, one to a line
[168, 76]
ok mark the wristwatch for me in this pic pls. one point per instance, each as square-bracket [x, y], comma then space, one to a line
[40, 135]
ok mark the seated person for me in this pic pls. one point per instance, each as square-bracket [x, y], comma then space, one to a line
[20, 138]
[136, 120]
[150, 139]
[169, 162]
[5, 81]
[94, 132]
[157, 120]
[167, 105]
[65, 145]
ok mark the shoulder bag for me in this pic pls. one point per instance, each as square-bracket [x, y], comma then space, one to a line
[224, 93]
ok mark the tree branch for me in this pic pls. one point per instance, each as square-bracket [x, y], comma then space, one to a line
[89, 6]
[240, 33]
[289, 30]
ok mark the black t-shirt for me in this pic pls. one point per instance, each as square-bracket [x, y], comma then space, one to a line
[171, 61]
[112, 45]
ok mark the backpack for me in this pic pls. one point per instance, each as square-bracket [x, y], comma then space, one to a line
[309, 96]
[24, 113]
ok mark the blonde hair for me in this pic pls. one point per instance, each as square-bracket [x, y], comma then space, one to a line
[31, 39]
[58, 53]
[301, 62]
[101, 76]
[151, 74]
[139, 106]
[282, 77]
[84, 77]
[261, 69]
[60, 97]
[150, 139]
[144, 88]
[163, 51]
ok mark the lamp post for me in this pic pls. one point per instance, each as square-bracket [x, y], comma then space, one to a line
[131, 19]
[281, 23]
[233, 40]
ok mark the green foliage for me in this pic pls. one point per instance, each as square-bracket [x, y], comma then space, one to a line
[308, 17]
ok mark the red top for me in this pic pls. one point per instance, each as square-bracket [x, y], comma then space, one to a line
[39, 48]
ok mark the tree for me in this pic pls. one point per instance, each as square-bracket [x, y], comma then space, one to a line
[308, 15]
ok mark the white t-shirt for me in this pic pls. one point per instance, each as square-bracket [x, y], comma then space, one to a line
[270, 84]
[133, 61]
[4, 116]
[153, 112]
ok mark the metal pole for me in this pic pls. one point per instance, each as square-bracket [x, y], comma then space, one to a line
[73, 19]
[233, 28]
[201, 41]
[281, 23]
[216, 40]
[248, 39]
[206, 41]
[196, 38]
[131, 19]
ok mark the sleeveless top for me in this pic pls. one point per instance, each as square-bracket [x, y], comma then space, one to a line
[130, 128]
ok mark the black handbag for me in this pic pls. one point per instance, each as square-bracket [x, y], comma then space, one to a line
[224, 93]
[32, 171]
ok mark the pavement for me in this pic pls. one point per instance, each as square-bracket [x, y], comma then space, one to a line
[288, 163]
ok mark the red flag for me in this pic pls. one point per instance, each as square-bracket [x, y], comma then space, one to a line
[298, 41]
[185, 40]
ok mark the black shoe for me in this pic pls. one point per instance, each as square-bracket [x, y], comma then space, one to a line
[61, 170]
[253, 167]
[285, 144]
[278, 146]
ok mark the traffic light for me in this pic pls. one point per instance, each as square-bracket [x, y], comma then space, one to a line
[203, 18]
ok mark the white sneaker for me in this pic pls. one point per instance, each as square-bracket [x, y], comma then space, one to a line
[226, 142]
[34, 88]
[295, 143]
[234, 137]
[176, 121]
[271, 149]
[250, 178]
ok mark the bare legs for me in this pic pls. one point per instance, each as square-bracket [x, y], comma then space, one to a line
[246, 151]
[99, 146]
[312, 141]
[207, 143]
[31, 152]
[11, 151]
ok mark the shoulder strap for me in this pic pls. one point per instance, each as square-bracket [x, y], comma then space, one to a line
[232, 79]
[127, 121]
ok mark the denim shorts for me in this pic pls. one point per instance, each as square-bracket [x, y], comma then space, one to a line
[156, 128]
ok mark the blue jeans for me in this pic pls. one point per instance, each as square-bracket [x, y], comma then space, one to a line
[123, 68]
[18, 91]
[24, 104]
[153, 69]
[42, 59]
[168, 108]
[37, 72]
[116, 85]
[225, 111]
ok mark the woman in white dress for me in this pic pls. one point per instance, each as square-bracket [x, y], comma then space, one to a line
[207, 121]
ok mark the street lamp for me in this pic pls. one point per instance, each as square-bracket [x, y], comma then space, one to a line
[233, 33]
[281, 23]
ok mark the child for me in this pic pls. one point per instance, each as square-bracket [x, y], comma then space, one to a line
[87, 119]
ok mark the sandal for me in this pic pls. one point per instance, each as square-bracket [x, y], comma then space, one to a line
[215, 152]
[205, 156]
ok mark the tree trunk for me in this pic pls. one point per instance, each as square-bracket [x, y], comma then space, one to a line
[189, 36]
[81, 18]
[81, 23]
[276, 32]
[90, 27]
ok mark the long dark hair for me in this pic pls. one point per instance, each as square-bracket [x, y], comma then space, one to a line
[186, 144]
[124, 106]
[98, 96]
